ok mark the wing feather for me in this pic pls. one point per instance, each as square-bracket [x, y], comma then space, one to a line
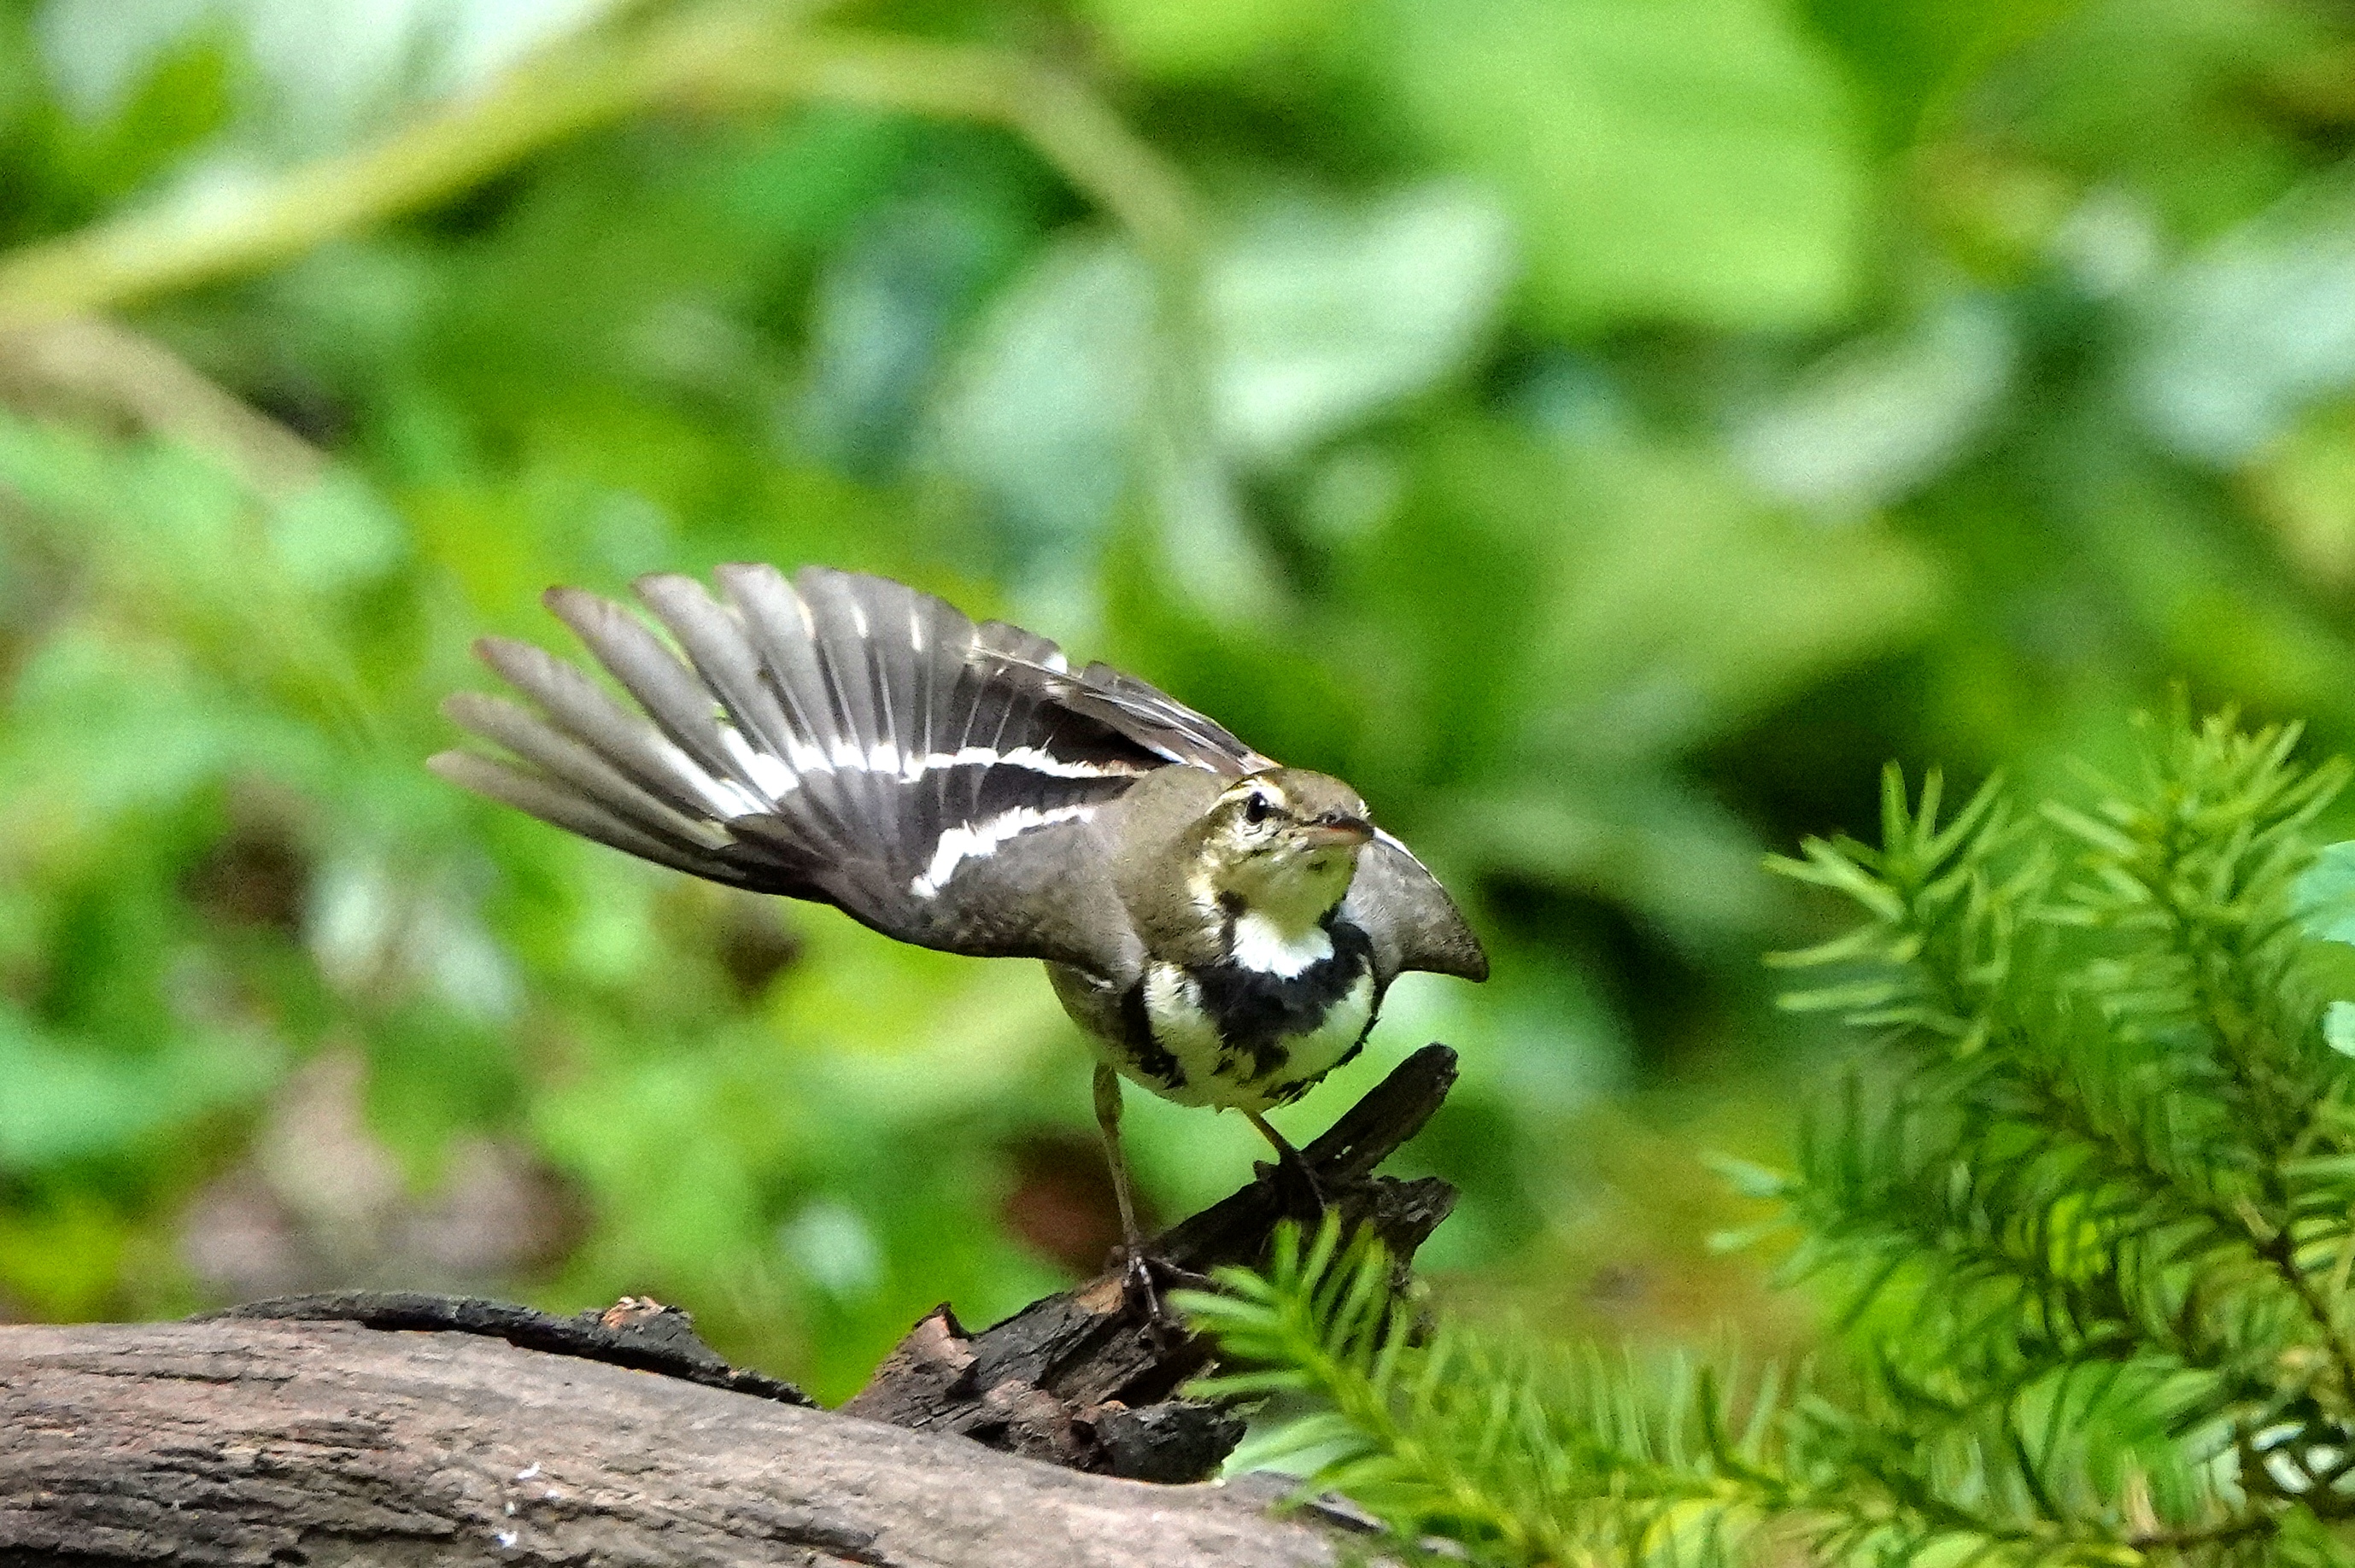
[834, 736]
[680, 704]
[554, 803]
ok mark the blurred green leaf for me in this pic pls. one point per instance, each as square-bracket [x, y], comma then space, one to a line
[1323, 315]
[2339, 1027]
[65, 1263]
[1318, 317]
[336, 533]
[76, 1100]
[100, 728]
[1211, 36]
[1677, 859]
[1915, 61]
[2171, 101]
[1686, 606]
[883, 310]
[2326, 895]
[2237, 342]
[1883, 416]
[168, 103]
[1678, 160]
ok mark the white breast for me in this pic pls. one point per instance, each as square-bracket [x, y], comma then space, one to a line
[1262, 944]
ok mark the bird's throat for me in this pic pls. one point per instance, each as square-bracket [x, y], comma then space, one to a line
[1278, 926]
[1261, 941]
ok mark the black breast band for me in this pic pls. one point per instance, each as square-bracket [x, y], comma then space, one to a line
[1257, 1013]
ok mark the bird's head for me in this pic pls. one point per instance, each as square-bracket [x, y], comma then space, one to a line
[1283, 843]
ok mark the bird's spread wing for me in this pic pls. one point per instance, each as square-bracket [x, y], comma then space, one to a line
[1157, 720]
[1408, 916]
[842, 737]
[846, 739]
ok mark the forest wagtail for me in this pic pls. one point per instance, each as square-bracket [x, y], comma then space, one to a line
[1222, 927]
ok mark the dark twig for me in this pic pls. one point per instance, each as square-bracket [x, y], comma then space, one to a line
[634, 1332]
[1078, 1380]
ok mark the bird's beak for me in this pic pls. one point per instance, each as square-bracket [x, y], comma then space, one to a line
[1335, 829]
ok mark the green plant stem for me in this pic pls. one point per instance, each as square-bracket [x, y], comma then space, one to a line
[716, 57]
[1069, 125]
[141, 255]
[87, 366]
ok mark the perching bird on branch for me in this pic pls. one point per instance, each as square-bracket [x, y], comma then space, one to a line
[1222, 927]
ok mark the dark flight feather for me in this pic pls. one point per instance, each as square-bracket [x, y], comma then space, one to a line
[840, 737]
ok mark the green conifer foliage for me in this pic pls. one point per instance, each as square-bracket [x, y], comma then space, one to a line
[2084, 1202]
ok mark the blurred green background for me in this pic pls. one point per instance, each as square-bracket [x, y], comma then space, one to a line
[1603, 431]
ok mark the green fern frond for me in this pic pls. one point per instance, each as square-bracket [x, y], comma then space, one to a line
[1521, 1456]
[1942, 907]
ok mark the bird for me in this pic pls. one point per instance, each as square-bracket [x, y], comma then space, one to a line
[1221, 927]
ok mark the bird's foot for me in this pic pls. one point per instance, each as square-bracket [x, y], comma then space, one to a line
[1144, 1285]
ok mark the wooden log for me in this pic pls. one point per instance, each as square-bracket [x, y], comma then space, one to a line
[376, 1427]
[242, 1441]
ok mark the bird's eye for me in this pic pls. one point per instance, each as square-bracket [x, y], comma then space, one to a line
[1256, 808]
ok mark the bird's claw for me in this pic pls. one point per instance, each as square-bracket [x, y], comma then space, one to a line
[1144, 1283]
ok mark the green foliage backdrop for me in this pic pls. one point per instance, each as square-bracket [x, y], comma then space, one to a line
[1603, 430]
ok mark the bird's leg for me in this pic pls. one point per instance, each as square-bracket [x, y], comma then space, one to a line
[1295, 1183]
[1139, 1285]
[1108, 1121]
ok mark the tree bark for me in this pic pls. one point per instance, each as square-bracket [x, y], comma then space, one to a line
[1078, 1379]
[232, 1441]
